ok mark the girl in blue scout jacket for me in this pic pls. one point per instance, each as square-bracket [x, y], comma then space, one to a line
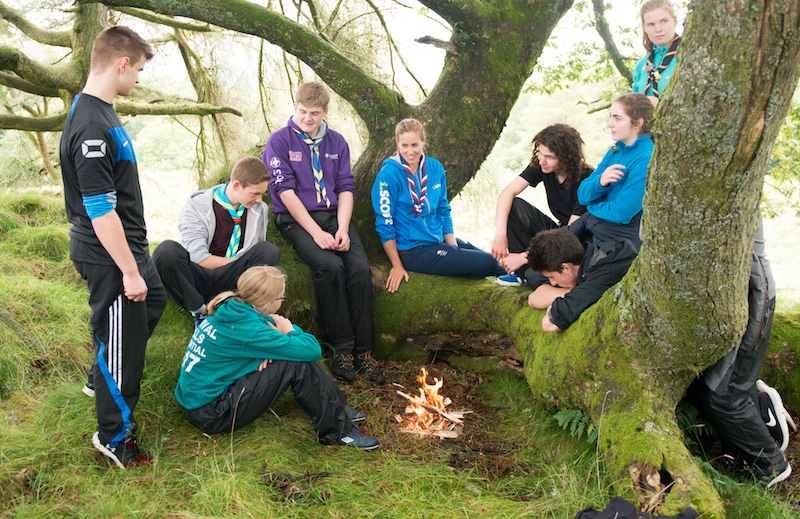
[654, 70]
[412, 215]
[613, 193]
[244, 356]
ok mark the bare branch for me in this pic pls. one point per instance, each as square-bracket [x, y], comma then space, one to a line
[601, 24]
[51, 123]
[14, 81]
[15, 18]
[394, 45]
[63, 76]
[449, 46]
[370, 98]
[131, 108]
[169, 21]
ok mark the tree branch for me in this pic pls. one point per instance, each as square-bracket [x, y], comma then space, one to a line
[163, 20]
[15, 18]
[601, 24]
[454, 11]
[49, 76]
[14, 81]
[379, 14]
[370, 98]
[131, 108]
[51, 123]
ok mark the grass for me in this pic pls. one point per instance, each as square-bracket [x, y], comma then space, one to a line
[515, 461]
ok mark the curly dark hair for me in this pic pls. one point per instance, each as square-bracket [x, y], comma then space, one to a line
[566, 144]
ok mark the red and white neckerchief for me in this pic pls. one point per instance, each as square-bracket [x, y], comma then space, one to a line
[418, 199]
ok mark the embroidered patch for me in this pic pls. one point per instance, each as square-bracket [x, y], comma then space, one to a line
[93, 148]
[296, 156]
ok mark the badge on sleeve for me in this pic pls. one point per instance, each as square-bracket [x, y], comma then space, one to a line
[93, 148]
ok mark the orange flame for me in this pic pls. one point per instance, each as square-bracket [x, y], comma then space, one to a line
[420, 418]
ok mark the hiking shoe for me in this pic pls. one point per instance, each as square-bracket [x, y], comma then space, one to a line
[511, 280]
[125, 454]
[365, 363]
[359, 440]
[353, 415]
[774, 414]
[773, 475]
[342, 367]
[88, 390]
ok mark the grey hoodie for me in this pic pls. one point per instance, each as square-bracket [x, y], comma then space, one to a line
[197, 224]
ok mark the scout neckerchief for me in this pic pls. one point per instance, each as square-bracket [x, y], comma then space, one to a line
[319, 182]
[418, 199]
[653, 72]
[222, 199]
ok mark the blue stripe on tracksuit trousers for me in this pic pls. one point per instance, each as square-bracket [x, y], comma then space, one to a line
[120, 329]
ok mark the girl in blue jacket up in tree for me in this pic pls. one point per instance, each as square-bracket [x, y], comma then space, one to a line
[654, 70]
[613, 193]
[412, 215]
[244, 356]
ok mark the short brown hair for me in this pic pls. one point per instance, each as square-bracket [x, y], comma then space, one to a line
[250, 171]
[409, 125]
[549, 249]
[638, 106]
[312, 94]
[257, 287]
[118, 42]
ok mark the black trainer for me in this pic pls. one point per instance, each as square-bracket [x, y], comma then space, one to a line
[355, 416]
[359, 440]
[365, 363]
[88, 390]
[125, 454]
[342, 367]
[773, 413]
[772, 475]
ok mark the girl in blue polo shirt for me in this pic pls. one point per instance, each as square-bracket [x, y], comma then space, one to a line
[613, 193]
[654, 70]
[412, 215]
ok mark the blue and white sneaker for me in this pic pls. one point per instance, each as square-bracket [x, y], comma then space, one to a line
[359, 440]
[353, 415]
[512, 280]
[197, 319]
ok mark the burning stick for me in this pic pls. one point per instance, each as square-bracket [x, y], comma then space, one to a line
[430, 408]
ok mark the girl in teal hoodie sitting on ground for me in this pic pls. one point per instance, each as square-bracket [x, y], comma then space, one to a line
[244, 356]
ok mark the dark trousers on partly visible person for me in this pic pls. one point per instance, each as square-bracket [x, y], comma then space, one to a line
[443, 259]
[191, 286]
[343, 282]
[596, 230]
[252, 395]
[524, 221]
[120, 330]
[732, 406]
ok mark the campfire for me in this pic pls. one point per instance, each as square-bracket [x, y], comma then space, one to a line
[427, 413]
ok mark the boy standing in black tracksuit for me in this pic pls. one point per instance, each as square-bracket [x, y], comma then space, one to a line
[108, 238]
